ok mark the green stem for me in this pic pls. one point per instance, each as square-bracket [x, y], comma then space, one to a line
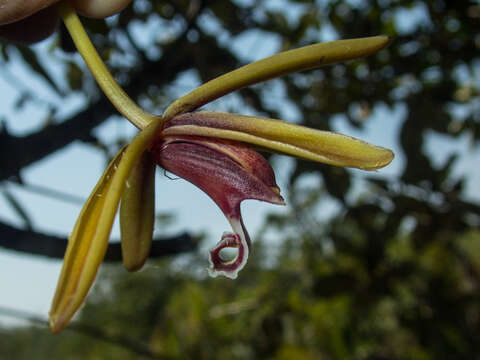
[119, 98]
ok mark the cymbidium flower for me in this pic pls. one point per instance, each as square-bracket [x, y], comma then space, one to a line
[212, 150]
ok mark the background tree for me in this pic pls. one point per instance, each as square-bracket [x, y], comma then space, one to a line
[392, 273]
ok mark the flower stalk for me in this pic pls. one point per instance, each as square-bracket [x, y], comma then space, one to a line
[117, 96]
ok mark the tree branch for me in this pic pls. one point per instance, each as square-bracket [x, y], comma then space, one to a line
[19, 152]
[32, 242]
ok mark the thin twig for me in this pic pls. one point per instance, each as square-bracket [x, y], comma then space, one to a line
[49, 192]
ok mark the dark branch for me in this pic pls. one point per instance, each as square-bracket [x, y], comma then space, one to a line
[52, 246]
[19, 152]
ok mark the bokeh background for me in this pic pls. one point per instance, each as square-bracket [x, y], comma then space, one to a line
[358, 265]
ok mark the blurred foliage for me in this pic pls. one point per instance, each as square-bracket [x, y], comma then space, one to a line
[392, 274]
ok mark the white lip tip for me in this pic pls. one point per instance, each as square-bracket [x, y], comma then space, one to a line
[215, 273]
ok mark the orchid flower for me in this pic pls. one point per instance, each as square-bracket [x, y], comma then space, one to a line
[212, 150]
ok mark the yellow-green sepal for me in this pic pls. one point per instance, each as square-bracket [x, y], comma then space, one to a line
[86, 248]
[89, 240]
[304, 58]
[282, 137]
[137, 213]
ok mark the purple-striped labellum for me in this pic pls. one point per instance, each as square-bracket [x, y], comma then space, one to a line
[228, 172]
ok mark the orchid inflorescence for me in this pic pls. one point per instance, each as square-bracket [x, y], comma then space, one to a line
[212, 150]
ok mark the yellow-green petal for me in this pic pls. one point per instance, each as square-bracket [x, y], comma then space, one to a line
[89, 239]
[304, 58]
[282, 137]
[137, 213]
